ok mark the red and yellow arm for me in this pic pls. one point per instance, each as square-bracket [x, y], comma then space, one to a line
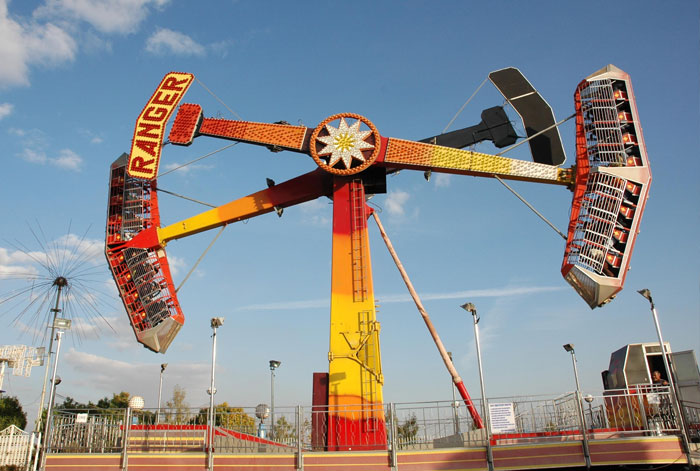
[135, 243]
[298, 190]
[348, 149]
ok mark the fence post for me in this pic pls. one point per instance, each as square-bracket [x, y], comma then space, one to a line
[28, 454]
[125, 438]
[392, 429]
[37, 451]
[300, 457]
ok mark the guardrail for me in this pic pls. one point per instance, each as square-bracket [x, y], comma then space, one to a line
[409, 426]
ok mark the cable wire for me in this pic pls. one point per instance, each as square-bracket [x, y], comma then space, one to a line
[201, 257]
[197, 159]
[218, 99]
[464, 106]
[186, 197]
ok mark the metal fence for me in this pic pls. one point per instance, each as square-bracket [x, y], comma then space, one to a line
[16, 447]
[691, 412]
[405, 426]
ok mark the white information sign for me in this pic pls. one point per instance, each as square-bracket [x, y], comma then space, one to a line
[81, 418]
[502, 417]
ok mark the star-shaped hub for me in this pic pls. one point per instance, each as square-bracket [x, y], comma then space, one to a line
[345, 149]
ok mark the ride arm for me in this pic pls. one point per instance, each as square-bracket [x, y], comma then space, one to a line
[393, 153]
[298, 190]
[404, 154]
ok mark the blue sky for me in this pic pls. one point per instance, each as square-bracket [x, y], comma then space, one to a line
[75, 76]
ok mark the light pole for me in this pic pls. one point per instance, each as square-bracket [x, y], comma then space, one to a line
[160, 390]
[454, 402]
[569, 347]
[59, 324]
[469, 307]
[216, 322]
[135, 404]
[60, 283]
[674, 392]
[274, 364]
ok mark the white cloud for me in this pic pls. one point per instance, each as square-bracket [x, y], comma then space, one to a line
[24, 44]
[6, 109]
[98, 373]
[106, 16]
[68, 160]
[15, 264]
[185, 169]
[33, 156]
[89, 249]
[405, 298]
[90, 136]
[20, 262]
[167, 41]
[395, 202]
[175, 264]
[442, 180]
[317, 212]
[48, 38]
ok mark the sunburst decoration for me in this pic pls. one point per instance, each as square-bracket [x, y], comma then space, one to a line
[345, 143]
[356, 148]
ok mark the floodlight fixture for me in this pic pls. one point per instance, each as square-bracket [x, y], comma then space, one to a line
[469, 307]
[217, 322]
[274, 364]
[62, 323]
[647, 294]
[569, 347]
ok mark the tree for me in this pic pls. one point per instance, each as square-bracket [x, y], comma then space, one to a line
[71, 404]
[284, 432]
[232, 418]
[118, 401]
[11, 413]
[407, 431]
[178, 408]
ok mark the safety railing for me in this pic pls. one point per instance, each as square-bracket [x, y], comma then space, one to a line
[407, 426]
[691, 413]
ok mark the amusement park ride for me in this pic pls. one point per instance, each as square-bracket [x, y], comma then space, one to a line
[610, 182]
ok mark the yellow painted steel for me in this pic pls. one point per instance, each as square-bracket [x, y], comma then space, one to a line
[237, 210]
[429, 156]
[355, 375]
[297, 190]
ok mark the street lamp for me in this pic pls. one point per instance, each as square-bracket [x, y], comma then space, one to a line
[135, 404]
[274, 364]
[160, 390]
[59, 324]
[216, 322]
[469, 307]
[262, 412]
[569, 347]
[674, 392]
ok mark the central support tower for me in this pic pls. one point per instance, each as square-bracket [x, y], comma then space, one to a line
[355, 411]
